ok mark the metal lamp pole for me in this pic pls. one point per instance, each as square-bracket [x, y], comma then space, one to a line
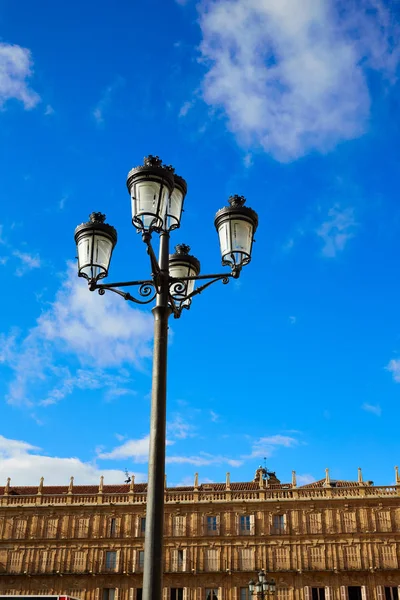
[157, 197]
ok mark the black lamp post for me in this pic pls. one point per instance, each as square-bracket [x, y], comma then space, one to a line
[157, 196]
[262, 588]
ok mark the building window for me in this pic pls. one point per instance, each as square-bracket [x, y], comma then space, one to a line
[282, 558]
[246, 524]
[178, 560]
[20, 529]
[79, 561]
[212, 560]
[111, 560]
[139, 593]
[211, 593]
[244, 593]
[246, 559]
[109, 594]
[352, 557]
[82, 528]
[178, 525]
[318, 593]
[388, 557]
[212, 525]
[176, 594]
[383, 520]
[279, 524]
[142, 525]
[315, 522]
[141, 559]
[391, 593]
[51, 528]
[283, 593]
[16, 562]
[113, 527]
[354, 592]
[349, 520]
[316, 555]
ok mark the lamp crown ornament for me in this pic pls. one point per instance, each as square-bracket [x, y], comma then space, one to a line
[236, 201]
[182, 249]
[152, 161]
[97, 217]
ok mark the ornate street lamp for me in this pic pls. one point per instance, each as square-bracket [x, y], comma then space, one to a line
[157, 197]
[262, 588]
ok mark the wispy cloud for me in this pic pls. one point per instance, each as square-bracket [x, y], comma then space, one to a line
[266, 446]
[138, 450]
[180, 429]
[49, 111]
[336, 230]
[185, 108]
[103, 105]
[394, 368]
[15, 70]
[27, 262]
[214, 416]
[292, 320]
[375, 409]
[292, 77]
[101, 332]
[26, 464]
[305, 479]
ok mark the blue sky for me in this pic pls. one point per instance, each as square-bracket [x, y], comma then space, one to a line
[299, 361]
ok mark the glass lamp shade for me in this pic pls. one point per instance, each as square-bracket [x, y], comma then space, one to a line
[95, 242]
[251, 586]
[265, 587]
[150, 187]
[175, 203]
[259, 587]
[272, 586]
[261, 576]
[236, 225]
[181, 265]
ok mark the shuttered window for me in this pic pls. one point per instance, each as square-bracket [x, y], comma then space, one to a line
[315, 522]
[388, 556]
[352, 557]
[383, 520]
[178, 525]
[20, 529]
[246, 559]
[16, 562]
[316, 556]
[282, 558]
[51, 528]
[79, 562]
[349, 521]
[82, 528]
[212, 559]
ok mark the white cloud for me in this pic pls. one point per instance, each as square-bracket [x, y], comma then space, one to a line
[292, 76]
[138, 451]
[27, 262]
[24, 463]
[102, 332]
[394, 368]
[337, 229]
[15, 70]
[265, 446]
[185, 108]
[375, 409]
[214, 416]
[305, 479]
[49, 110]
[203, 459]
[106, 98]
[180, 429]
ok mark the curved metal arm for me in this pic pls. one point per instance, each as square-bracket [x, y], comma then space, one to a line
[180, 299]
[147, 289]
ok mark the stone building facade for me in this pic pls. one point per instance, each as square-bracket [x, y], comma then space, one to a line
[329, 540]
